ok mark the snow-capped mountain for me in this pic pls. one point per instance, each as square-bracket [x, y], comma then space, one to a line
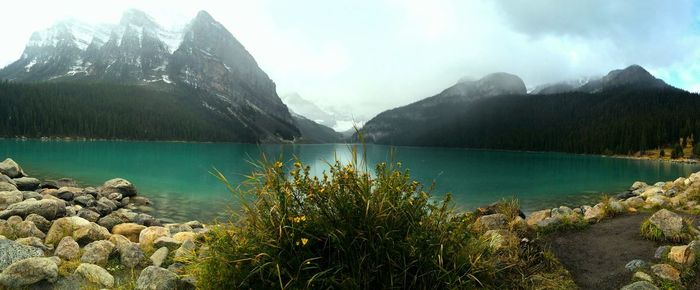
[203, 59]
[338, 119]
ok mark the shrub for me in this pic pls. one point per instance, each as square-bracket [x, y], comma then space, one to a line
[350, 229]
[677, 151]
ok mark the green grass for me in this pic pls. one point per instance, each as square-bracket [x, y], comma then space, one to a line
[350, 229]
[651, 232]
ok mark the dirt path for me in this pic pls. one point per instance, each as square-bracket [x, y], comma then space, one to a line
[596, 256]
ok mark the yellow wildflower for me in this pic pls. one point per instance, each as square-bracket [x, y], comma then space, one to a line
[297, 164]
[278, 164]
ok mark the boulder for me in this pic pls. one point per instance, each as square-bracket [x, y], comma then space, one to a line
[27, 183]
[6, 186]
[662, 252]
[118, 185]
[85, 200]
[167, 242]
[654, 190]
[120, 242]
[595, 213]
[616, 206]
[156, 278]
[10, 168]
[176, 228]
[682, 255]
[666, 272]
[33, 242]
[562, 212]
[113, 219]
[149, 235]
[11, 252]
[95, 274]
[89, 233]
[188, 248]
[670, 223]
[638, 184]
[50, 184]
[31, 194]
[640, 285]
[89, 215]
[129, 230]
[7, 179]
[199, 225]
[64, 227]
[634, 265]
[39, 221]
[159, 256]
[97, 252]
[27, 229]
[48, 208]
[132, 256]
[656, 201]
[29, 271]
[67, 249]
[643, 276]
[635, 202]
[181, 237]
[537, 216]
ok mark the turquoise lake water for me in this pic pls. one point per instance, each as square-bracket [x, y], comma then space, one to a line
[175, 176]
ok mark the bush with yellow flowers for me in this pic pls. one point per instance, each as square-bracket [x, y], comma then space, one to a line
[349, 229]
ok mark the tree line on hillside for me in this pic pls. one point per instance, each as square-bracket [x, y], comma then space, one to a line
[110, 111]
[619, 121]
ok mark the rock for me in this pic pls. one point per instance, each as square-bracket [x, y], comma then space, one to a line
[167, 242]
[6, 186]
[638, 184]
[682, 255]
[662, 252]
[51, 184]
[120, 242]
[129, 230]
[97, 252]
[147, 220]
[656, 201]
[7, 179]
[64, 227]
[39, 221]
[27, 229]
[486, 222]
[181, 237]
[10, 168]
[104, 206]
[27, 183]
[89, 215]
[666, 272]
[176, 228]
[118, 185]
[177, 268]
[28, 272]
[89, 233]
[640, 285]
[67, 249]
[616, 206]
[149, 235]
[159, 256]
[670, 223]
[139, 200]
[11, 252]
[85, 200]
[48, 208]
[31, 194]
[66, 182]
[95, 274]
[595, 213]
[131, 256]
[634, 265]
[635, 202]
[156, 278]
[188, 248]
[643, 276]
[562, 212]
[199, 225]
[33, 242]
[68, 193]
[652, 191]
[538, 216]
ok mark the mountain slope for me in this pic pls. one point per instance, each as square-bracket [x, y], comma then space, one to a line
[313, 132]
[203, 62]
[628, 114]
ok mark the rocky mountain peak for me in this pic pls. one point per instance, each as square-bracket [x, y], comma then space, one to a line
[137, 18]
[633, 75]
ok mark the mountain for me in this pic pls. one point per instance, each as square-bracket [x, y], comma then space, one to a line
[313, 132]
[203, 62]
[405, 124]
[339, 119]
[630, 111]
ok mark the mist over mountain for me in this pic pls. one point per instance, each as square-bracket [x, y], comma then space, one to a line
[333, 117]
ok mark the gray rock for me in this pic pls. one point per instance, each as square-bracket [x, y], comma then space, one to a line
[41, 223]
[561, 212]
[10, 168]
[66, 182]
[159, 256]
[640, 285]
[95, 274]
[85, 200]
[5, 178]
[89, 233]
[635, 264]
[118, 185]
[31, 194]
[48, 208]
[34, 242]
[156, 278]
[147, 220]
[64, 227]
[28, 272]
[5, 186]
[51, 184]
[139, 200]
[97, 252]
[195, 224]
[489, 222]
[11, 252]
[167, 242]
[10, 197]
[27, 229]
[67, 249]
[113, 219]
[670, 223]
[131, 255]
[177, 268]
[187, 249]
[635, 202]
[27, 183]
[88, 215]
[638, 185]
[176, 228]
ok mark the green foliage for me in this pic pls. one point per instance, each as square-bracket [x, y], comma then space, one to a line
[621, 120]
[696, 149]
[651, 232]
[662, 152]
[677, 151]
[350, 229]
[112, 111]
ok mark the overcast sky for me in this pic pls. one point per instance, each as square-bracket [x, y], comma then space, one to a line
[371, 55]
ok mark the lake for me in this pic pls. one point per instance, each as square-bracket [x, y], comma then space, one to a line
[176, 176]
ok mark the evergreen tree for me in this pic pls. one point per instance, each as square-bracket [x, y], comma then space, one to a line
[677, 151]
[696, 150]
[662, 153]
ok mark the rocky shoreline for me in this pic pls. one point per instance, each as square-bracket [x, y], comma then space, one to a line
[54, 234]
